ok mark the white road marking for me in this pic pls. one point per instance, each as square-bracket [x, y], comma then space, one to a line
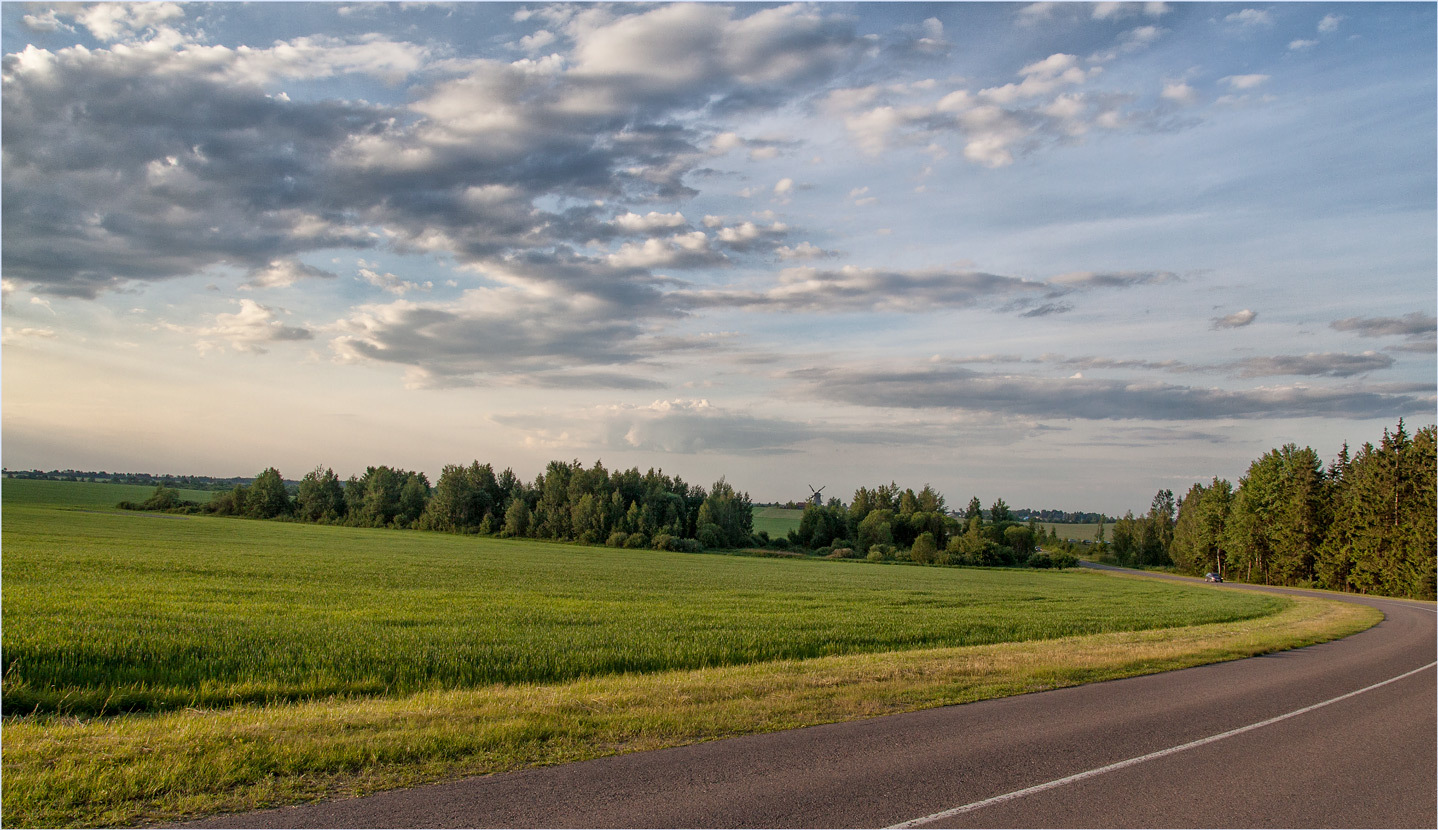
[999, 799]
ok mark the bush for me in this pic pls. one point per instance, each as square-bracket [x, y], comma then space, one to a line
[841, 553]
[1040, 560]
[824, 551]
[779, 544]
[686, 545]
[1064, 559]
[617, 539]
[881, 552]
[710, 535]
[925, 549]
[662, 541]
[636, 541]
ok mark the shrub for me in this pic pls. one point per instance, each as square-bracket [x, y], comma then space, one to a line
[925, 549]
[662, 541]
[841, 553]
[636, 541]
[1064, 559]
[710, 535]
[617, 539]
[1040, 560]
[824, 551]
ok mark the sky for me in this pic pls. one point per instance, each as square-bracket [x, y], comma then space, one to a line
[1065, 254]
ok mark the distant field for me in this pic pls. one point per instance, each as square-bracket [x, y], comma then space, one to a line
[1078, 532]
[87, 494]
[275, 661]
[778, 521]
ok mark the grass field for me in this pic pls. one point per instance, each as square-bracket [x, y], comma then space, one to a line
[777, 521]
[1077, 532]
[272, 661]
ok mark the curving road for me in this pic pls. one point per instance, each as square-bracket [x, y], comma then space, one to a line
[1335, 735]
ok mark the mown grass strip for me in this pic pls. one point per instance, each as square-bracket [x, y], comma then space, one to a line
[151, 768]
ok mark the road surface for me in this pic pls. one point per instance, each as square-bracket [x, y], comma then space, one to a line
[1335, 735]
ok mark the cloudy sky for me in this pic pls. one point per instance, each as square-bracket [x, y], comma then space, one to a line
[1066, 254]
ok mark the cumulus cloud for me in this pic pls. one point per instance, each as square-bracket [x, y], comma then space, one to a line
[1301, 44]
[1241, 82]
[1329, 23]
[107, 151]
[1237, 319]
[281, 273]
[390, 283]
[251, 329]
[528, 336]
[1249, 18]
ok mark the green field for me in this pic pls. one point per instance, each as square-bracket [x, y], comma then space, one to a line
[1084, 532]
[118, 611]
[776, 521]
[162, 666]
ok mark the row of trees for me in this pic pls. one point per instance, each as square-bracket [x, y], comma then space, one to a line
[887, 523]
[566, 502]
[1368, 522]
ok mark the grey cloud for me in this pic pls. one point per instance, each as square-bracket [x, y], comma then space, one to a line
[1329, 364]
[867, 289]
[1089, 399]
[1048, 308]
[1415, 325]
[484, 335]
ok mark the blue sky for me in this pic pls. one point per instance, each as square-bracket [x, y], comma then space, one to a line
[1064, 254]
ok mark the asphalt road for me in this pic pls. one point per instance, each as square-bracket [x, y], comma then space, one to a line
[1364, 755]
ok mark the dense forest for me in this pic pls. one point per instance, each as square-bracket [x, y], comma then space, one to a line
[1368, 522]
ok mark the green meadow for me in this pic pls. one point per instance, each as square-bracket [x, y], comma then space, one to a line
[114, 616]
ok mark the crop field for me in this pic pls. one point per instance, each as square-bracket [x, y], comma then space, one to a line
[1077, 532]
[777, 521]
[113, 619]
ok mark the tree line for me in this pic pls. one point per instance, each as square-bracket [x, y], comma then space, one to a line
[886, 523]
[565, 502]
[1365, 523]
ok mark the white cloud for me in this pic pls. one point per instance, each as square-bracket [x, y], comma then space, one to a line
[1240, 82]
[281, 273]
[1179, 92]
[649, 222]
[1238, 319]
[683, 250]
[112, 21]
[1250, 18]
[1329, 23]
[391, 283]
[16, 337]
[248, 330]
[804, 250]
[1299, 45]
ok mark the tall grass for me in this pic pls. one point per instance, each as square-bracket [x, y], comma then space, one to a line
[110, 612]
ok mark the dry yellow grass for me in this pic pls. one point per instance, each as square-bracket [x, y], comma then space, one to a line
[136, 769]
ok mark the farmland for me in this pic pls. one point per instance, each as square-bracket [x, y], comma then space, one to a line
[231, 624]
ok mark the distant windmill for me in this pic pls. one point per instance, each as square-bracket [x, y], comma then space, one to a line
[817, 498]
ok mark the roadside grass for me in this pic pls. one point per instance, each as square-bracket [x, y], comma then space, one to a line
[64, 771]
